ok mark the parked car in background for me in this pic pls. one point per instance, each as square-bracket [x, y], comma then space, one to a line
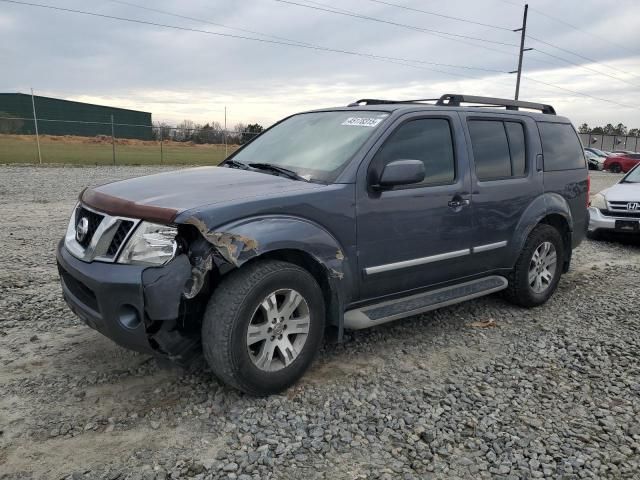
[617, 209]
[621, 162]
[348, 218]
[601, 153]
[623, 152]
[595, 162]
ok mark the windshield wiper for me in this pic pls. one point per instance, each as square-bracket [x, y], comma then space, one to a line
[285, 172]
[235, 164]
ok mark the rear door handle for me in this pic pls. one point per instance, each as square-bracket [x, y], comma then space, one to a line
[459, 202]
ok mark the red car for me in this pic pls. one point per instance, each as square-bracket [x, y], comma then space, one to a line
[621, 162]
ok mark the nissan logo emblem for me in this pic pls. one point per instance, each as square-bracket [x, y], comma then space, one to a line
[82, 228]
[633, 206]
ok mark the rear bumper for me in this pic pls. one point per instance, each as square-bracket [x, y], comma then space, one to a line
[117, 300]
[600, 222]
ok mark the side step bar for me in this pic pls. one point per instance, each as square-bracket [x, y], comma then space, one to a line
[384, 312]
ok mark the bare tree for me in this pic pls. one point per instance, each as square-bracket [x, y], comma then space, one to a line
[184, 131]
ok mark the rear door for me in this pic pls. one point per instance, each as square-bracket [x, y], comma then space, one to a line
[505, 179]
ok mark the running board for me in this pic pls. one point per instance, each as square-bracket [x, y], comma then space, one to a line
[384, 312]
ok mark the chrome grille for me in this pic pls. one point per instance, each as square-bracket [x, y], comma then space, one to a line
[623, 208]
[105, 237]
[119, 237]
[94, 220]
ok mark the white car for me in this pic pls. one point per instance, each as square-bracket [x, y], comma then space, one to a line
[617, 209]
[596, 162]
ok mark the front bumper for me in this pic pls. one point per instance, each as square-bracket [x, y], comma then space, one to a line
[137, 307]
[600, 222]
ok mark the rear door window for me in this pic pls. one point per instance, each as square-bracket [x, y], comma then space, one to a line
[499, 149]
[561, 147]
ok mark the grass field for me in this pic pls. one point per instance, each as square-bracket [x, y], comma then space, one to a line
[98, 151]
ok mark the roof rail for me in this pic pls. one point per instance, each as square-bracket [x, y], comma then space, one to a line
[454, 100]
[374, 101]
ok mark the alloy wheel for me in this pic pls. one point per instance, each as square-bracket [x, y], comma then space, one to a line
[278, 330]
[542, 268]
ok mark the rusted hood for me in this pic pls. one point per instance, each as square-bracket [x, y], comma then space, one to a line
[163, 196]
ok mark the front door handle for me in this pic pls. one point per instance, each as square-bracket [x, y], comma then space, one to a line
[459, 202]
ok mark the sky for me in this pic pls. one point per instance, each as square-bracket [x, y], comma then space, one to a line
[186, 74]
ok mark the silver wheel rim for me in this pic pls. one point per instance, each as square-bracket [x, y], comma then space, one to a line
[278, 330]
[542, 268]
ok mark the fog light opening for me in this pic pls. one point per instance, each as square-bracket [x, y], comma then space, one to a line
[128, 317]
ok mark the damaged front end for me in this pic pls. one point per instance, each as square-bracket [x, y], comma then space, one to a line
[144, 285]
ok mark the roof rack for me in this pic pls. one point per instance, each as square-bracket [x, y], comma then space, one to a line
[454, 100]
[375, 101]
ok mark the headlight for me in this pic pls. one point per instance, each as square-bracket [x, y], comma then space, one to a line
[150, 244]
[599, 202]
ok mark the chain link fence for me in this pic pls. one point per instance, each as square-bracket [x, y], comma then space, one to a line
[23, 140]
[611, 142]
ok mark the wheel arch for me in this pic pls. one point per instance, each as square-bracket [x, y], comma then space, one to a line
[292, 239]
[549, 209]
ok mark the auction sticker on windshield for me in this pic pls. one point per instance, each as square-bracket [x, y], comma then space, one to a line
[362, 121]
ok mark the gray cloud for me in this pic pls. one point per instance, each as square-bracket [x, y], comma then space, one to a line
[179, 74]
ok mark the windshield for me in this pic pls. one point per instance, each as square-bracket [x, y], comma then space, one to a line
[317, 146]
[633, 176]
[599, 153]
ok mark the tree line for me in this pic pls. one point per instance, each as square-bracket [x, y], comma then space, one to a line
[609, 129]
[213, 132]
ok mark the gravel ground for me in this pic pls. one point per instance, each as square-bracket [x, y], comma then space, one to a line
[552, 392]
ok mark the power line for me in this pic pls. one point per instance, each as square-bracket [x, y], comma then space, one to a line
[580, 93]
[400, 61]
[580, 55]
[464, 42]
[449, 17]
[579, 29]
[389, 22]
[208, 22]
[347, 52]
[289, 40]
[599, 72]
[599, 37]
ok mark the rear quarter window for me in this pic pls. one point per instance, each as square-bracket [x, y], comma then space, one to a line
[561, 147]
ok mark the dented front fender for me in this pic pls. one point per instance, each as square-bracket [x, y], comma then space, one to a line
[241, 241]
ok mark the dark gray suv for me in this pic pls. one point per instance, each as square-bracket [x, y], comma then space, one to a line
[342, 218]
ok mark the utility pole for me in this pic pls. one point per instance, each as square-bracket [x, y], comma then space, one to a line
[522, 49]
[35, 122]
[225, 132]
[113, 142]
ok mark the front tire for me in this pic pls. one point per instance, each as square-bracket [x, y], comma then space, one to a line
[537, 272]
[615, 168]
[263, 326]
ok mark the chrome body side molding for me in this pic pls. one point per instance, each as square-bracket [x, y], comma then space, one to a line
[489, 246]
[416, 261]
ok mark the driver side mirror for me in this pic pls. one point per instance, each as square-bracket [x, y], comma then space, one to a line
[401, 172]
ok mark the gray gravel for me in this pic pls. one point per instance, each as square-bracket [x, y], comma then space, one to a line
[552, 392]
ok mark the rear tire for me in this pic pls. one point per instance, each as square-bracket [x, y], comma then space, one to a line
[263, 326]
[537, 271]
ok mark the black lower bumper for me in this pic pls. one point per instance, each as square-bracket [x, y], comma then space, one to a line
[116, 300]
